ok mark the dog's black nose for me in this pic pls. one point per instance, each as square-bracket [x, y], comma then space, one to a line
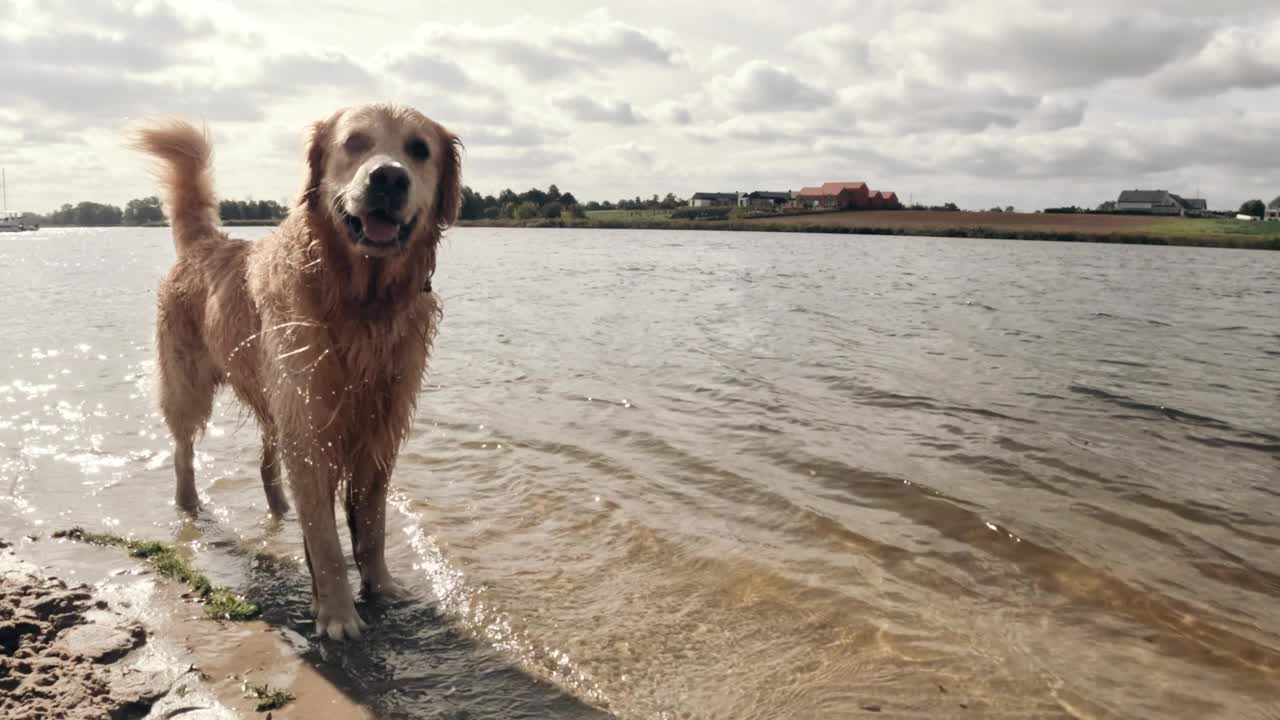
[388, 186]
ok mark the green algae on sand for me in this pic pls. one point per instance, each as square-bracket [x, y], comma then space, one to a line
[164, 559]
[269, 698]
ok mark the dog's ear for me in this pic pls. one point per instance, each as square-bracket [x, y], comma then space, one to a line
[449, 190]
[317, 146]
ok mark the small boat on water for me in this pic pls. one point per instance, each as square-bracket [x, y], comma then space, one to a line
[11, 221]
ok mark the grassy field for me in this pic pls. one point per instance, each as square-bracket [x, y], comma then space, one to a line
[617, 215]
[1200, 227]
[1039, 226]
[1130, 229]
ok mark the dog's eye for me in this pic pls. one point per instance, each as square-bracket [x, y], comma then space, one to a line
[357, 143]
[417, 149]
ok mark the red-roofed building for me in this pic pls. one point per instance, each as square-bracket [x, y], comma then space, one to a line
[846, 196]
[834, 195]
[813, 197]
[889, 200]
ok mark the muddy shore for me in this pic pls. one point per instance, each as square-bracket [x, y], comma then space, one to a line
[66, 653]
[127, 644]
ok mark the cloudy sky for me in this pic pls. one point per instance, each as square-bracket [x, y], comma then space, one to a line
[1014, 102]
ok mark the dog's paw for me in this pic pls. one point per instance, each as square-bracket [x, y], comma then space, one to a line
[339, 623]
[384, 586]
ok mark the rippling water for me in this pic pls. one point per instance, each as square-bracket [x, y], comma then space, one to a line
[684, 475]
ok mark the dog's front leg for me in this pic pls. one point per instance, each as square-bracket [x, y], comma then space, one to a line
[334, 603]
[367, 519]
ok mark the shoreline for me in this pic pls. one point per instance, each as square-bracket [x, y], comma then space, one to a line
[785, 224]
[975, 232]
[66, 651]
[87, 631]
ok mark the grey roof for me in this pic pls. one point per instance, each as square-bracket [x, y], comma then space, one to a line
[1145, 196]
[714, 196]
[766, 195]
[1190, 203]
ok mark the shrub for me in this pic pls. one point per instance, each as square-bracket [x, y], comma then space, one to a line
[526, 211]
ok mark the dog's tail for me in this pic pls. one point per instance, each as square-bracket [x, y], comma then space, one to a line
[185, 172]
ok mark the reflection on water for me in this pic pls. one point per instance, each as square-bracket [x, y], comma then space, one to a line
[681, 475]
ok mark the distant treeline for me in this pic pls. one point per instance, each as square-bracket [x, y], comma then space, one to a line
[147, 211]
[550, 203]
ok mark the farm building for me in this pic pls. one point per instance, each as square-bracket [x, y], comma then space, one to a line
[712, 199]
[846, 196]
[1273, 209]
[1159, 202]
[764, 200]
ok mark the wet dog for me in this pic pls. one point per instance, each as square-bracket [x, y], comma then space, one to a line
[322, 329]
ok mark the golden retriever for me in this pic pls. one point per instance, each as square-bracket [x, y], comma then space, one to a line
[322, 328]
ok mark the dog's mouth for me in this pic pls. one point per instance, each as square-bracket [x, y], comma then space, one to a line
[379, 231]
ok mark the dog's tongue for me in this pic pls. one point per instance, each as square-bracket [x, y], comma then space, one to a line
[379, 230]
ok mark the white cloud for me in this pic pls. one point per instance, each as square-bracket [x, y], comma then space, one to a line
[1246, 57]
[1036, 45]
[428, 68]
[673, 113]
[544, 52]
[589, 110]
[836, 46]
[904, 104]
[759, 86]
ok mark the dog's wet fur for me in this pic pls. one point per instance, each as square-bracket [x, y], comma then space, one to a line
[322, 328]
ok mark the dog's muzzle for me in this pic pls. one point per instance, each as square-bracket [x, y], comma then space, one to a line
[382, 229]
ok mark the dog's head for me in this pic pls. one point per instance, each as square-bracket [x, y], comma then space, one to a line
[384, 176]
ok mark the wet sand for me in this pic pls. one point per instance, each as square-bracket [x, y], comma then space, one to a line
[118, 641]
[66, 652]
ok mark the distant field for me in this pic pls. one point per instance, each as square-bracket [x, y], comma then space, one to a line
[1218, 228]
[615, 215]
[1064, 227]
[1233, 233]
[941, 220]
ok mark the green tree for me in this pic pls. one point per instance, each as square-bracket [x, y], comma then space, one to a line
[1255, 208]
[535, 196]
[230, 210]
[567, 199]
[526, 211]
[553, 193]
[472, 205]
[141, 211]
[552, 210]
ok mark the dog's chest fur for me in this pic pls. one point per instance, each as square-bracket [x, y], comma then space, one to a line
[348, 368]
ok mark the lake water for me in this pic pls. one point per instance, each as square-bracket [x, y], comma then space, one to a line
[687, 475]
